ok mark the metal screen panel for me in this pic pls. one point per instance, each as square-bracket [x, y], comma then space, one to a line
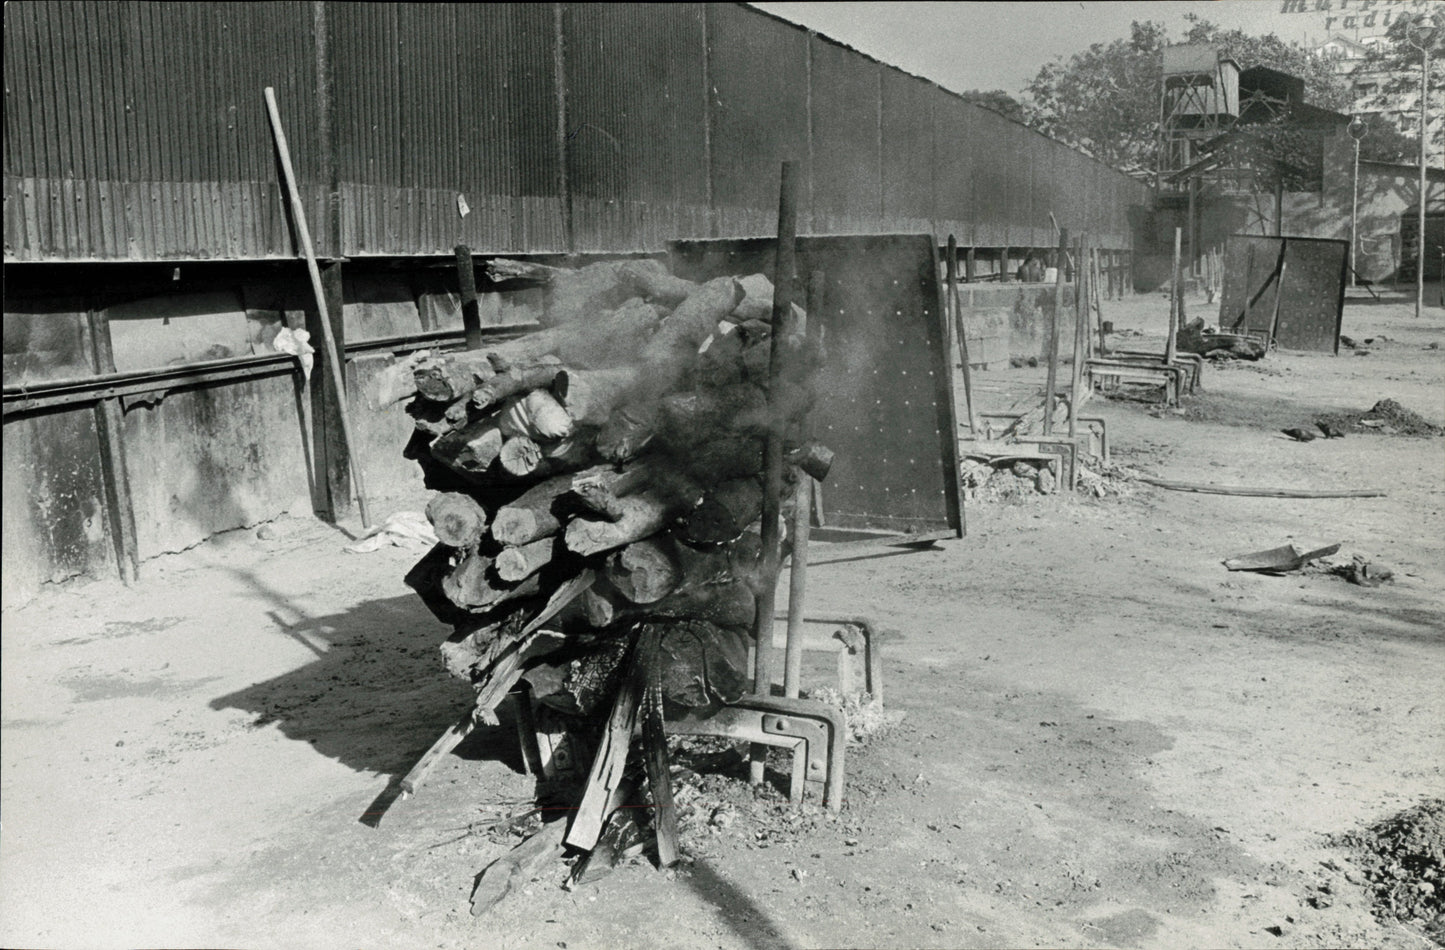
[1311, 296]
[885, 404]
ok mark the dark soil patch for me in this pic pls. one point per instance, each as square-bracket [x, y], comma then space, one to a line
[1386, 417]
[1404, 862]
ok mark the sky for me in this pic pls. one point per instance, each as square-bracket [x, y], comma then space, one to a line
[976, 45]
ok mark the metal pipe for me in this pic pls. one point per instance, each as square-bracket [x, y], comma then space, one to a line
[770, 556]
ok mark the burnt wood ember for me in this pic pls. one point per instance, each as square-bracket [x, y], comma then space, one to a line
[599, 515]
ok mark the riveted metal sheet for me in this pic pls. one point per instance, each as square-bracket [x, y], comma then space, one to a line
[1311, 297]
[885, 402]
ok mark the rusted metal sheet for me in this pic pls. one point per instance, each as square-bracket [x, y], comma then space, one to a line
[909, 201]
[212, 458]
[636, 157]
[885, 404]
[55, 522]
[758, 71]
[1310, 298]
[847, 134]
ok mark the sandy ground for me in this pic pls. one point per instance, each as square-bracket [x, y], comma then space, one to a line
[1110, 740]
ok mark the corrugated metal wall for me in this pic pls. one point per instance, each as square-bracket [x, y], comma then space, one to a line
[137, 131]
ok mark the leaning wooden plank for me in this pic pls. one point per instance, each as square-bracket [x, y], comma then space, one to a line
[1263, 492]
[513, 870]
[471, 449]
[448, 741]
[607, 768]
[648, 672]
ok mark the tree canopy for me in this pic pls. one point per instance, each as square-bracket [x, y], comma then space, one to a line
[1105, 100]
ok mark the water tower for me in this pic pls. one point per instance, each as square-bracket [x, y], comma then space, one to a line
[1200, 99]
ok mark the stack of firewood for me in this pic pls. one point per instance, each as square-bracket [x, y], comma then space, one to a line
[599, 499]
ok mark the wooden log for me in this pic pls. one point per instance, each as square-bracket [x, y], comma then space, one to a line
[457, 519]
[517, 378]
[519, 563]
[655, 760]
[470, 449]
[501, 269]
[731, 604]
[643, 514]
[693, 417]
[649, 279]
[721, 459]
[670, 352]
[426, 578]
[537, 415]
[725, 512]
[613, 339]
[513, 870]
[627, 432]
[591, 396]
[596, 493]
[531, 515]
[812, 457]
[520, 455]
[645, 571]
[473, 584]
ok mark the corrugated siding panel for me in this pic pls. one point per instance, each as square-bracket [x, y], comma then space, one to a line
[847, 169]
[758, 69]
[636, 160]
[908, 162]
[953, 161]
[137, 131]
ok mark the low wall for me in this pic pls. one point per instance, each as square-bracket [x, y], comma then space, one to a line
[1007, 321]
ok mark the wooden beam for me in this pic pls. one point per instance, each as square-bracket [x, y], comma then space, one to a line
[110, 430]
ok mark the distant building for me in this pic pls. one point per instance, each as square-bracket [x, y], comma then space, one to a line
[1351, 58]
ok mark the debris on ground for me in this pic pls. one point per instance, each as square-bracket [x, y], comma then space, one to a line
[1363, 572]
[404, 529]
[1403, 858]
[1281, 560]
[1195, 337]
[1386, 417]
[866, 717]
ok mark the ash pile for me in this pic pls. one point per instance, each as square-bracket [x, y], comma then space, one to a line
[600, 499]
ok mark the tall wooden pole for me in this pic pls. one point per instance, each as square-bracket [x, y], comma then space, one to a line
[956, 307]
[333, 358]
[1052, 382]
[771, 555]
[1082, 283]
[1424, 154]
[1176, 297]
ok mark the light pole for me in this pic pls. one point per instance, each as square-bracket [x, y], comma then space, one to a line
[1420, 33]
[1357, 131]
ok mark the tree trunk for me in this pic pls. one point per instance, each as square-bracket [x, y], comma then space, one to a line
[645, 571]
